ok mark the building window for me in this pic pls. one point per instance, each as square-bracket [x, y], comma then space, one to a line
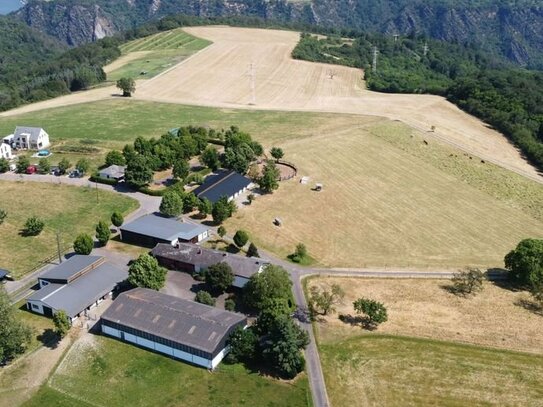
[35, 307]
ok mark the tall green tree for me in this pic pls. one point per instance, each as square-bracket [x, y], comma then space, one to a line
[265, 288]
[223, 209]
[205, 207]
[171, 204]
[277, 153]
[23, 163]
[375, 312]
[15, 335]
[82, 165]
[219, 277]
[525, 262]
[127, 85]
[282, 347]
[146, 272]
[210, 158]
[44, 166]
[64, 165]
[62, 323]
[117, 219]
[103, 233]
[115, 157]
[243, 345]
[83, 244]
[181, 169]
[138, 171]
[269, 181]
[324, 300]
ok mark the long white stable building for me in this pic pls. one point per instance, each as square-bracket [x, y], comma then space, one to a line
[183, 329]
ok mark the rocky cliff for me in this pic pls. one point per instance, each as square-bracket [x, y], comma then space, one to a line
[513, 29]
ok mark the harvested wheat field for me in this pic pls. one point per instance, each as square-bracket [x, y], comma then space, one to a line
[220, 75]
[390, 200]
[495, 317]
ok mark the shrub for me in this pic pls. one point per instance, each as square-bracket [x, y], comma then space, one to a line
[241, 238]
[117, 219]
[229, 304]
[252, 251]
[3, 215]
[203, 297]
[219, 277]
[4, 165]
[62, 323]
[33, 226]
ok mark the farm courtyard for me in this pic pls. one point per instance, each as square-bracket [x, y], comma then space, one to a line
[389, 199]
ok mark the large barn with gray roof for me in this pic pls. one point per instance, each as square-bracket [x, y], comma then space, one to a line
[150, 230]
[182, 329]
[76, 285]
[194, 259]
[224, 183]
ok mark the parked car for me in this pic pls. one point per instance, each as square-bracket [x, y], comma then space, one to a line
[4, 276]
[76, 174]
[55, 171]
[32, 169]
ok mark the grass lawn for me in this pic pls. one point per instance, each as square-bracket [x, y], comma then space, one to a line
[43, 327]
[69, 210]
[156, 53]
[106, 372]
[377, 370]
[388, 198]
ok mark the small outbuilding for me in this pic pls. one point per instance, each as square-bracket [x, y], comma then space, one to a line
[191, 258]
[113, 172]
[150, 230]
[182, 329]
[225, 183]
[74, 286]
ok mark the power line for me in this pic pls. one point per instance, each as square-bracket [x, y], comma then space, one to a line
[374, 64]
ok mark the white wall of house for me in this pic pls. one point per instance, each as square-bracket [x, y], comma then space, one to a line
[26, 141]
[176, 353]
[35, 306]
[5, 151]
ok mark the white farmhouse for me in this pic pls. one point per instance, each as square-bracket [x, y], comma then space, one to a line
[5, 151]
[30, 138]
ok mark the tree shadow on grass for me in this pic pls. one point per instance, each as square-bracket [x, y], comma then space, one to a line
[49, 338]
[530, 305]
[357, 320]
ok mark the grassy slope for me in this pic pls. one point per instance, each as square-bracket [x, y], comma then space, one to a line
[380, 370]
[399, 201]
[162, 51]
[112, 373]
[70, 210]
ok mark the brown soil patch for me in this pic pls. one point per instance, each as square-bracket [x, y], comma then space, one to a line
[422, 308]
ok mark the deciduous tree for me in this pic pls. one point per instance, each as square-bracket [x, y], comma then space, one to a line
[15, 336]
[171, 204]
[115, 157]
[525, 263]
[146, 272]
[269, 181]
[127, 85]
[469, 281]
[221, 231]
[277, 153]
[267, 287]
[4, 165]
[324, 300]
[204, 207]
[82, 165]
[210, 158]
[62, 323]
[181, 169]
[23, 163]
[64, 165]
[375, 312]
[44, 166]
[138, 171]
[243, 345]
[219, 277]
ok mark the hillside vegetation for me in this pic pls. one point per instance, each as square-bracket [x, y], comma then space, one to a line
[508, 98]
[513, 29]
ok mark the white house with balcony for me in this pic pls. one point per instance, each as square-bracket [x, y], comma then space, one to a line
[5, 151]
[30, 138]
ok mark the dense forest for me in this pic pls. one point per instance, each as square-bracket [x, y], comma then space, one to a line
[489, 87]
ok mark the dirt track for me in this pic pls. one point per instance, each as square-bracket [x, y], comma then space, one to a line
[220, 76]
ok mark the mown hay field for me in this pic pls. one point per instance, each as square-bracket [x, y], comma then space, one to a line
[391, 371]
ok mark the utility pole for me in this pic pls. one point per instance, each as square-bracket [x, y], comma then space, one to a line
[425, 49]
[252, 75]
[58, 247]
[374, 65]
